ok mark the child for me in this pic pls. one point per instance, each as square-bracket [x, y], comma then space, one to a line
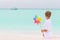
[47, 26]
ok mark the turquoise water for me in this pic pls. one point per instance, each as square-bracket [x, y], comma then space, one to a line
[22, 20]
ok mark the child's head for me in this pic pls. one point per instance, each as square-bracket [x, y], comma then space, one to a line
[47, 14]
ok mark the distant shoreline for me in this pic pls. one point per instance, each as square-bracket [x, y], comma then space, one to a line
[28, 9]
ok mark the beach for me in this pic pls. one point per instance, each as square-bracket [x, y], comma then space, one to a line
[25, 36]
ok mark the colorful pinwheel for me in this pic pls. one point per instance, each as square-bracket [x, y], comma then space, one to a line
[37, 19]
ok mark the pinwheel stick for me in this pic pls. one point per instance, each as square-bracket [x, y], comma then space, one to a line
[42, 32]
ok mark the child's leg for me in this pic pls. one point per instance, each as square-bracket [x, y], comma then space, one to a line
[47, 36]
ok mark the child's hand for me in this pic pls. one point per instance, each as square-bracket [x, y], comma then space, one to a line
[44, 30]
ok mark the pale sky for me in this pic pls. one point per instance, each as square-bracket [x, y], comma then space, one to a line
[30, 4]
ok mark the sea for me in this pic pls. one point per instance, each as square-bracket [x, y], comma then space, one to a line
[21, 20]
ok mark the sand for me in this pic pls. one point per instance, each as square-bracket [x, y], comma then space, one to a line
[25, 36]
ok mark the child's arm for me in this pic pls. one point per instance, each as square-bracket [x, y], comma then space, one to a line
[44, 30]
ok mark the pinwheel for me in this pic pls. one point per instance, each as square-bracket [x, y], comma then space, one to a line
[37, 19]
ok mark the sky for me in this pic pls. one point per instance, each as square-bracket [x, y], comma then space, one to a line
[52, 4]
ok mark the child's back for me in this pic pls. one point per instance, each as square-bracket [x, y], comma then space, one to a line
[48, 25]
